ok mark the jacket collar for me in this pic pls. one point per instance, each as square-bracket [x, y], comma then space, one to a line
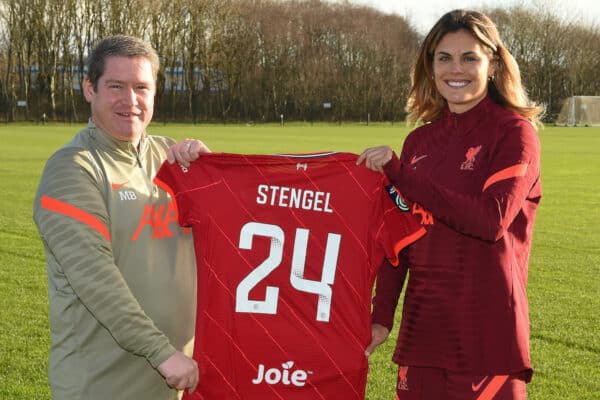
[465, 122]
[123, 147]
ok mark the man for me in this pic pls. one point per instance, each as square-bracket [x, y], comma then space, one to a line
[121, 273]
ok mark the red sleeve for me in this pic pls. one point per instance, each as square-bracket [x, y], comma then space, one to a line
[513, 179]
[390, 281]
[397, 227]
[169, 178]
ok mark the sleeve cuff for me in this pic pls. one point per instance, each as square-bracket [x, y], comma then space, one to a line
[162, 355]
[382, 318]
[392, 168]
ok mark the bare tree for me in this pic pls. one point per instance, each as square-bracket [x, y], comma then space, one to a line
[556, 56]
[255, 60]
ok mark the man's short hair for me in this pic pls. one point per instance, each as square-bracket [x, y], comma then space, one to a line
[119, 46]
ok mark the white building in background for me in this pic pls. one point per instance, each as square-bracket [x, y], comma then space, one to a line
[174, 78]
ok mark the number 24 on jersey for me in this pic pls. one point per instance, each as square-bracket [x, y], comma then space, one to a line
[321, 288]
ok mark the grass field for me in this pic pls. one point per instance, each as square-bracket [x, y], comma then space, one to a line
[564, 279]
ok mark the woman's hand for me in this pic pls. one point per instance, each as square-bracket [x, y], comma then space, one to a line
[379, 334]
[375, 158]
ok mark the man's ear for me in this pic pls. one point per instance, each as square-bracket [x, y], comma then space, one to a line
[88, 89]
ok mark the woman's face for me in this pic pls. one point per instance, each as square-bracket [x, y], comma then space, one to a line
[461, 68]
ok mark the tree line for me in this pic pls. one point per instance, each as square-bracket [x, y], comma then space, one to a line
[263, 60]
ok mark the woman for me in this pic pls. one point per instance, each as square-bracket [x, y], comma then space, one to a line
[472, 172]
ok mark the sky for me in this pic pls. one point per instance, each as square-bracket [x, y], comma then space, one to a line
[422, 14]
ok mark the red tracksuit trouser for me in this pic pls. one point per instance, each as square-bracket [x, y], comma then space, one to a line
[417, 383]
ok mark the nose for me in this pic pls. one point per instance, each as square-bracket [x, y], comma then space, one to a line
[129, 97]
[456, 66]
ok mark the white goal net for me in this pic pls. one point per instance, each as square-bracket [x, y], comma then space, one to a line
[580, 111]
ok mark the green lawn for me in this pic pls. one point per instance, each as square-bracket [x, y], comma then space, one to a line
[564, 284]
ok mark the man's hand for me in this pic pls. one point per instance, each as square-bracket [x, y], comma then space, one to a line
[186, 151]
[379, 334]
[180, 372]
[375, 157]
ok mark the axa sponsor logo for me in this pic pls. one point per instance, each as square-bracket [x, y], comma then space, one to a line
[285, 375]
[158, 217]
[426, 217]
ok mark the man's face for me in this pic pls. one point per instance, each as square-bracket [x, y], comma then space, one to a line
[123, 104]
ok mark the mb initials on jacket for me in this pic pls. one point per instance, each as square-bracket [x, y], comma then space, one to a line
[289, 197]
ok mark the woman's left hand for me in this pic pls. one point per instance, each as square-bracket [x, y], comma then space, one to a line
[375, 158]
[379, 334]
[186, 151]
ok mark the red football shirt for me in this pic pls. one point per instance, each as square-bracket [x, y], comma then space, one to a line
[287, 248]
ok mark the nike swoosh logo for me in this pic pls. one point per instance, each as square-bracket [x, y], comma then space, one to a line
[117, 186]
[476, 388]
[416, 159]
